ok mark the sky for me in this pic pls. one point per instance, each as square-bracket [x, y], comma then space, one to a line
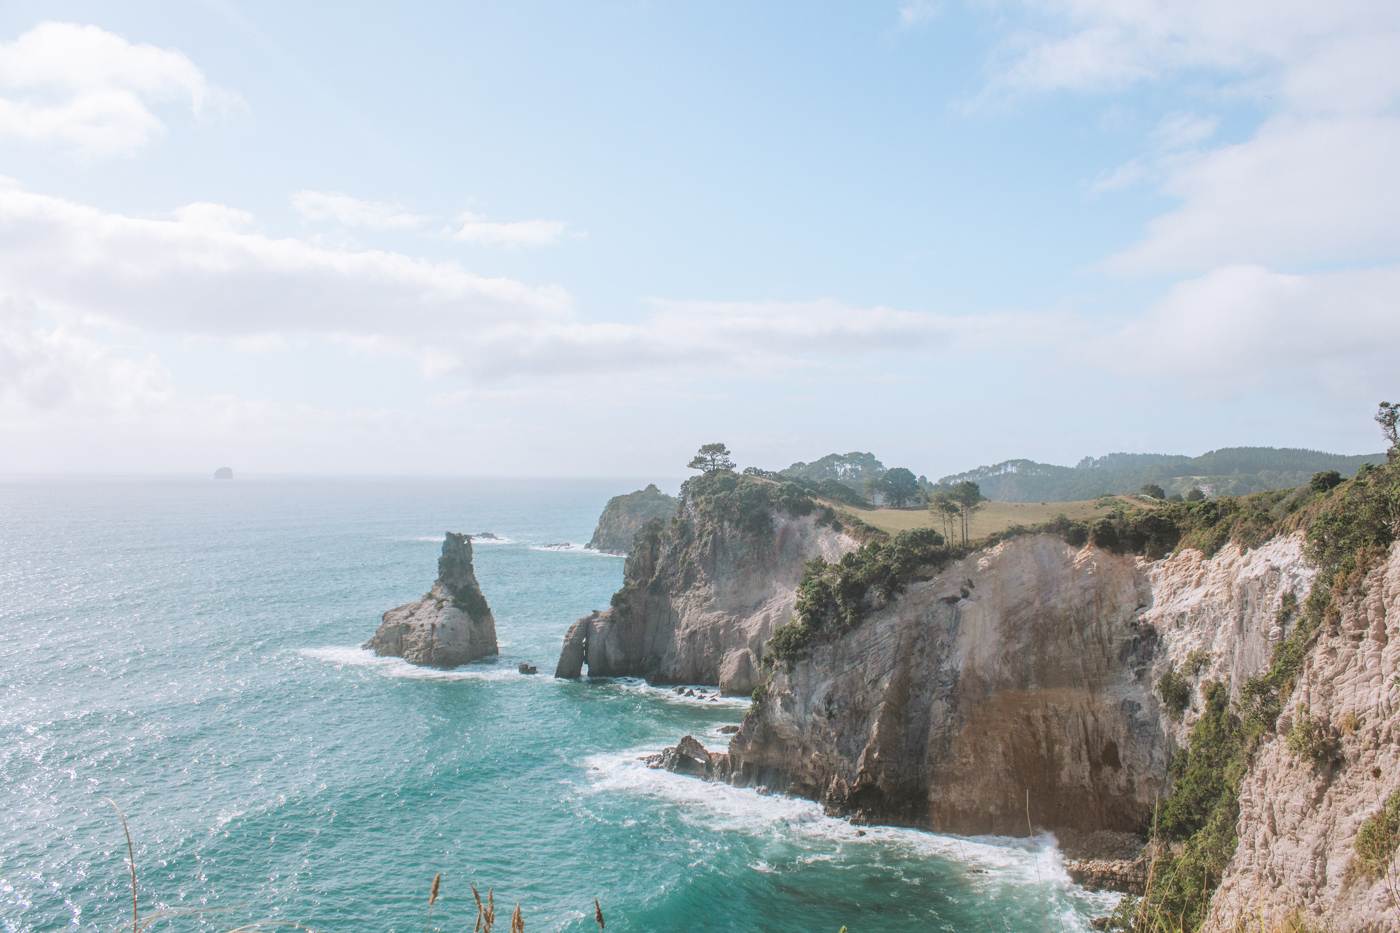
[562, 239]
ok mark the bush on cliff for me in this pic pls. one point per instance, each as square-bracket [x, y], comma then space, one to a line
[1378, 838]
[1175, 691]
[748, 502]
[835, 597]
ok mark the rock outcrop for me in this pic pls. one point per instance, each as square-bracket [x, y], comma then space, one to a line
[624, 516]
[703, 593]
[688, 756]
[449, 626]
[1299, 817]
[1020, 676]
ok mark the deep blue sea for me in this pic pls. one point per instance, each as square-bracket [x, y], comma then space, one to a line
[189, 649]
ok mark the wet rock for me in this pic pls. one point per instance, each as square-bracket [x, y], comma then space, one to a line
[689, 757]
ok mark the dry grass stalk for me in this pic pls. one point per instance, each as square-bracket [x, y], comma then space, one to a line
[598, 914]
[517, 921]
[130, 863]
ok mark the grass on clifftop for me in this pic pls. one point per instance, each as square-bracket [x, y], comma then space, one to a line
[995, 517]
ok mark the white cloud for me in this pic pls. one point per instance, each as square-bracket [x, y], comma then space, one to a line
[1175, 139]
[204, 271]
[201, 273]
[47, 369]
[1239, 327]
[914, 12]
[1315, 182]
[208, 216]
[1297, 193]
[355, 212]
[1104, 45]
[93, 91]
[477, 229]
[1180, 131]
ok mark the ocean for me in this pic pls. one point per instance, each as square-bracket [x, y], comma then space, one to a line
[188, 648]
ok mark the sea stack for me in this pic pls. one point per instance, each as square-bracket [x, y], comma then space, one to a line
[449, 626]
[223, 473]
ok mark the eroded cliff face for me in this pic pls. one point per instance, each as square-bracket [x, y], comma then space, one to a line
[449, 626]
[624, 516]
[702, 594]
[1024, 670]
[1299, 817]
[1217, 618]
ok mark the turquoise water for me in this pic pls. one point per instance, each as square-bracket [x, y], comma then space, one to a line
[189, 649]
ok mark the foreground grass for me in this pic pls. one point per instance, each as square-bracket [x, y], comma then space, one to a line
[995, 517]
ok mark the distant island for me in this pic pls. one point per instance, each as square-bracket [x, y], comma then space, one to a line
[223, 473]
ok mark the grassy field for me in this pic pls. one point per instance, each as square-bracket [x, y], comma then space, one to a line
[998, 516]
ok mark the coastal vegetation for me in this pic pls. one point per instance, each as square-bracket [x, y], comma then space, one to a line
[835, 597]
[1378, 839]
[1227, 471]
[1348, 526]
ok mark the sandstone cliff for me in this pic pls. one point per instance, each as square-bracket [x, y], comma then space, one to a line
[1243, 677]
[624, 516]
[1027, 668]
[449, 626]
[703, 593]
[1300, 815]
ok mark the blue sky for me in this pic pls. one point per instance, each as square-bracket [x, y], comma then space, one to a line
[582, 239]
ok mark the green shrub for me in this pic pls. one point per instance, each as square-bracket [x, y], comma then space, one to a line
[835, 597]
[1324, 480]
[1311, 738]
[1175, 692]
[760, 693]
[1197, 661]
[470, 601]
[1201, 812]
[1378, 838]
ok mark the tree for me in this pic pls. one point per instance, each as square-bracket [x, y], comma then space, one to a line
[1324, 480]
[1388, 417]
[1195, 495]
[899, 486]
[968, 497]
[1154, 491]
[711, 458]
[943, 507]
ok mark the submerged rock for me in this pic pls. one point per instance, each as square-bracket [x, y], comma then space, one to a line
[624, 516]
[527, 668]
[449, 626]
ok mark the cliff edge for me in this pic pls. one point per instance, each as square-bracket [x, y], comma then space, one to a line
[449, 626]
[703, 592]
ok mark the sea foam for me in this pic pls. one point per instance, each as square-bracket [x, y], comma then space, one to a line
[569, 547]
[343, 656]
[990, 861]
